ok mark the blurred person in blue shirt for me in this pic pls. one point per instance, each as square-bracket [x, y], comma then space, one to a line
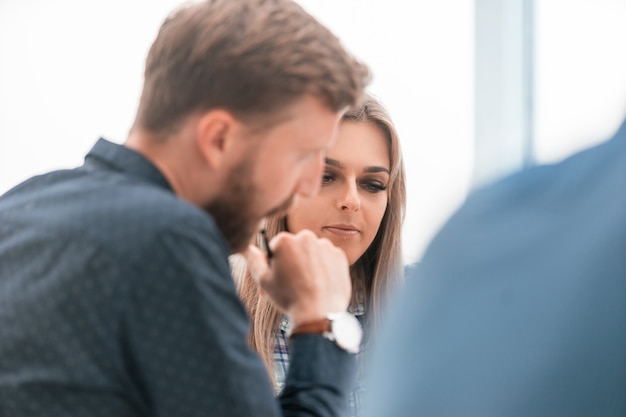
[518, 307]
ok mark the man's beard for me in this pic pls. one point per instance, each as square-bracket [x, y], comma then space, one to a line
[234, 212]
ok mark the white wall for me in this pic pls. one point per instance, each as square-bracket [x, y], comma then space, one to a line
[70, 71]
[580, 78]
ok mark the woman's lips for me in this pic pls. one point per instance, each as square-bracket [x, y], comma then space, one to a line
[342, 231]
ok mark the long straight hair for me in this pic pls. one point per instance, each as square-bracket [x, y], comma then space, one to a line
[375, 275]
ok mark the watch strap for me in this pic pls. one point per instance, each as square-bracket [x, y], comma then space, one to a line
[320, 326]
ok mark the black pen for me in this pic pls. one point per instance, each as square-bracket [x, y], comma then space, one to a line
[266, 244]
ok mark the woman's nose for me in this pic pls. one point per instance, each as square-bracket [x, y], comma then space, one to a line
[349, 200]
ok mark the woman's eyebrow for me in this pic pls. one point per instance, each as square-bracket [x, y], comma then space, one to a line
[376, 169]
[335, 163]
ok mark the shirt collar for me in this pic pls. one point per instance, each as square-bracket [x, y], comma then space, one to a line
[124, 159]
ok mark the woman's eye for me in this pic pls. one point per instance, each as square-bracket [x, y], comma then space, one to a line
[374, 187]
[326, 178]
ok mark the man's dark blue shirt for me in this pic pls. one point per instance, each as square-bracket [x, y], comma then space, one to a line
[116, 300]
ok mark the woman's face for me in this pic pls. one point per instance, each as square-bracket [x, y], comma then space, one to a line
[351, 203]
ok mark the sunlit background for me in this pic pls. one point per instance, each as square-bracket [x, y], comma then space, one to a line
[477, 89]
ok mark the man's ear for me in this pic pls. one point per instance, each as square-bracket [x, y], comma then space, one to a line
[215, 129]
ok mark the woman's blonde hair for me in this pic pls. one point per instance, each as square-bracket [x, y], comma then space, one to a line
[374, 275]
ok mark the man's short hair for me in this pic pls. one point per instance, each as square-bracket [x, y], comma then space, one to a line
[250, 57]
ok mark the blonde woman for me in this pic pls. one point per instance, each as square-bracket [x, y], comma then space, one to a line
[360, 208]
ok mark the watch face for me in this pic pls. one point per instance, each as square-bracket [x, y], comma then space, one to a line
[347, 331]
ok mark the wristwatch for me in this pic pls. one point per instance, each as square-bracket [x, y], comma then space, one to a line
[342, 328]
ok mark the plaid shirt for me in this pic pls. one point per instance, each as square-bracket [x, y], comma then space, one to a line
[281, 361]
